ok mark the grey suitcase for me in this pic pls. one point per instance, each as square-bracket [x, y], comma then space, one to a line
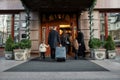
[60, 54]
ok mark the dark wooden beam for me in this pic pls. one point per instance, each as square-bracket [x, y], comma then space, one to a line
[108, 10]
[10, 11]
[58, 4]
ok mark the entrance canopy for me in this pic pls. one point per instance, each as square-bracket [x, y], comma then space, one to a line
[57, 5]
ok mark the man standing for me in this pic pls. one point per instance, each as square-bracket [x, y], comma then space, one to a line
[53, 40]
[80, 38]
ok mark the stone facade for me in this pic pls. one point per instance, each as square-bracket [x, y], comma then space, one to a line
[35, 25]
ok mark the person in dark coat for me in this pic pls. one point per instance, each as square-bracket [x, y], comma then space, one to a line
[65, 41]
[53, 40]
[80, 38]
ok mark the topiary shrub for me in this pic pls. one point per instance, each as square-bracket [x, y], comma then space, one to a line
[9, 44]
[16, 45]
[95, 43]
[25, 43]
[109, 43]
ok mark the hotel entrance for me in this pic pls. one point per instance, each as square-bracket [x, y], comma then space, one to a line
[65, 22]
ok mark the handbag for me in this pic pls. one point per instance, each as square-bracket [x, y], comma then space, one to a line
[66, 41]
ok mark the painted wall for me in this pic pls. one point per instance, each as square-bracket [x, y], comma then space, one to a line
[11, 5]
[107, 4]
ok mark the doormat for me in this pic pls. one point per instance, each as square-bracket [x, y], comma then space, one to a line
[48, 65]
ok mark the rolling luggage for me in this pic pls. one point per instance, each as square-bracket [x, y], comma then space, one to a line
[60, 54]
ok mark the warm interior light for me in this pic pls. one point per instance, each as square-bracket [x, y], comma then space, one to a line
[67, 27]
[64, 26]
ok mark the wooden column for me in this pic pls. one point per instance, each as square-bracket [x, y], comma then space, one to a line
[12, 26]
[78, 21]
[72, 25]
[106, 25]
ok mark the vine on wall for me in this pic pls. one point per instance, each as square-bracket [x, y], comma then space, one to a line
[27, 21]
[90, 12]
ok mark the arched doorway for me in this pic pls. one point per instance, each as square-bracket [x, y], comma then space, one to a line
[62, 21]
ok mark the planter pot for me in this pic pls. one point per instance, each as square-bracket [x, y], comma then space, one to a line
[9, 55]
[92, 53]
[28, 51]
[22, 54]
[111, 54]
[19, 54]
[98, 54]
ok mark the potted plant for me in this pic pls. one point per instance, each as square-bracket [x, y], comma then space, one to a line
[23, 51]
[96, 50]
[25, 43]
[27, 46]
[95, 43]
[110, 47]
[9, 48]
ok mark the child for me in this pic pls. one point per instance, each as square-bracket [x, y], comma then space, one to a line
[42, 49]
